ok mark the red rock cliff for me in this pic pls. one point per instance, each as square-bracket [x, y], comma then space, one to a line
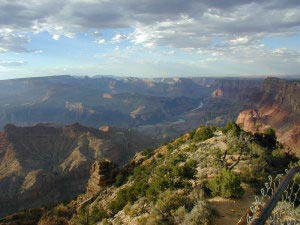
[278, 107]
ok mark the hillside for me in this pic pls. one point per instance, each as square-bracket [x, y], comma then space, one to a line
[186, 181]
[278, 107]
[46, 164]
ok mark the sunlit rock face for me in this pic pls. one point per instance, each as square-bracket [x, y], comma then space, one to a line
[278, 107]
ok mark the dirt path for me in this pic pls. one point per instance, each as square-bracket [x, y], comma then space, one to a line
[230, 211]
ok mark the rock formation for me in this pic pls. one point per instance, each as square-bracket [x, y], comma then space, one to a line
[278, 107]
[102, 174]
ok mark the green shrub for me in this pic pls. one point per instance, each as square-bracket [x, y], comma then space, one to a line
[188, 170]
[267, 139]
[169, 201]
[192, 133]
[62, 211]
[226, 184]
[203, 133]
[148, 153]
[97, 215]
[233, 128]
[200, 214]
[162, 181]
[120, 179]
[120, 201]
[128, 195]
[154, 218]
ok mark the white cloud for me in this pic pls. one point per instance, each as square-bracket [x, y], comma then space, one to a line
[118, 38]
[56, 37]
[12, 42]
[229, 30]
[101, 41]
[176, 23]
[240, 41]
[5, 63]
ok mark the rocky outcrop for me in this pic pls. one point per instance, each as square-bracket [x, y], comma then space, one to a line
[278, 107]
[217, 93]
[102, 174]
[250, 120]
[46, 164]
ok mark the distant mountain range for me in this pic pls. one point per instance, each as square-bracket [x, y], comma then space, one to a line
[162, 108]
[168, 105]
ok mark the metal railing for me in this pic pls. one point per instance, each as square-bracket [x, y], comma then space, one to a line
[286, 191]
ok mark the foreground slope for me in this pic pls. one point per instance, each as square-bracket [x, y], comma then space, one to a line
[177, 183]
[46, 164]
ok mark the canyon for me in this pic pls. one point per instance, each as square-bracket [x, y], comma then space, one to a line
[45, 161]
[47, 164]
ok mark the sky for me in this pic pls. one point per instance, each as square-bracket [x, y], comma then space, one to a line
[149, 38]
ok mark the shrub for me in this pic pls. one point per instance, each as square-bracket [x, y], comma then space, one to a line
[188, 170]
[128, 195]
[192, 133]
[279, 158]
[159, 183]
[233, 128]
[226, 184]
[97, 215]
[203, 133]
[267, 139]
[169, 201]
[120, 179]
[120, 201]
[200, 214]
[154, 218]
[148, 153]
[62, 211]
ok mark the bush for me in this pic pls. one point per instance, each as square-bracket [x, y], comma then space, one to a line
[97, 215]
[169, 201]
[192, 133]
[267, 139]
[120, 179]
[203, 133]
[188, 170]
[226, 184]
[154, 218]
[148, 153]
[128, 195]
[233, 128]
[162, 181]
[200, 214]
[62, 211]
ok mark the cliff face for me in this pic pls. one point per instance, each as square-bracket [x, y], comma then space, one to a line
[102, 174]
[236, 89]
[278, 107]
[44, 164]
[285, 94]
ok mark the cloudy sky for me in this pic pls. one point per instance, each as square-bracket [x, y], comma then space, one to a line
[149, 37]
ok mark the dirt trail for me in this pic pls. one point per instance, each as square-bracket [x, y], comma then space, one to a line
[230, 211]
